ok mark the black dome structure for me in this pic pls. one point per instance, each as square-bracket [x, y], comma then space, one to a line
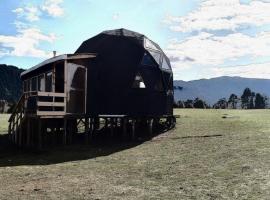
[131, 75]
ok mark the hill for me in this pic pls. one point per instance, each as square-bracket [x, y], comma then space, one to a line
[10, 83]
[211, 90]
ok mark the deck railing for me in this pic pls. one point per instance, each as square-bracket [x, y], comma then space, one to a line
[56, 105]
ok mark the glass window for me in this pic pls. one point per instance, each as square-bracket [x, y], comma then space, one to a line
[148, 60]
[41, 83]
[165, 65]
[138, 82]
[156, 56]
[149, 44]
[34, 84]
[48, 82]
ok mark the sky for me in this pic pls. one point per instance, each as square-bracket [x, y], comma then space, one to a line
[202, 38]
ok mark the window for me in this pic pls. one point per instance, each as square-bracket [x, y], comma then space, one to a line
[150, 45]
[156, 56]
[34, 84]
[48, 82]
[41, 83]
[147, 60]
[138, 82]
[165, 65]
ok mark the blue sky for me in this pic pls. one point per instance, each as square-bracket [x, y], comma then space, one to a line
[203, 39]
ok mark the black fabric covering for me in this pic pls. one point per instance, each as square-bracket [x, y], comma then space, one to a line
[111, 75]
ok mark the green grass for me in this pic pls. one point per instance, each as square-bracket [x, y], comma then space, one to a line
[212, 154]
[4, 123]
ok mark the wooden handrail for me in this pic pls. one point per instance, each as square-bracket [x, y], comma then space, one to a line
[17, 107]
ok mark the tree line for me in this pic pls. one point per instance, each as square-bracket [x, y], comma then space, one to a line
[248, 100]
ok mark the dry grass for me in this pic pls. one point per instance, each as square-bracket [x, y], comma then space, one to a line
[212, 154]
[4, 123]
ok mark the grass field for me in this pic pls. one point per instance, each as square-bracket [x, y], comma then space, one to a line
[212, 154]
[4, 123]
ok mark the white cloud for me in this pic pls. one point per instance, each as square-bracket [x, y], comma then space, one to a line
[30, 13]
[210, 50]
[116, 16]
[26, 43]
[249, 71]
[222, 15]
[53, 8]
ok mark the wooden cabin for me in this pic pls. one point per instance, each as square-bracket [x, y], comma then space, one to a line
[122, 88]
[54, 94]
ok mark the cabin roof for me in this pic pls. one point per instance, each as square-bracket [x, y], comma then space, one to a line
[58, 58]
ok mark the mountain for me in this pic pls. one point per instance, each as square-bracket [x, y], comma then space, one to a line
[10, 83]
[211, 90]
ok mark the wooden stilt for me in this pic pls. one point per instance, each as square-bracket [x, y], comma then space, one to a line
[65, 132]
[111, 126]
[40, 134]
[16, 131]
[150, 127]
[133, 128]
[91, 129]
[28, 134]
[86, 130]
[124, 127]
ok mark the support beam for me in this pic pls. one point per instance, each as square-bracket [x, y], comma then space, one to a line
[124, 127]
[40, 134]
[133, 128]
[86, 130]
[150, 127]
[65, 132]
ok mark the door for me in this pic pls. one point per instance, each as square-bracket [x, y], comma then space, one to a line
[76, 79]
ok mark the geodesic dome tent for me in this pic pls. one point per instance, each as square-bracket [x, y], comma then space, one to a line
[131, 75]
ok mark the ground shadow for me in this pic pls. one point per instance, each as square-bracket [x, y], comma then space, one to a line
[11, 155]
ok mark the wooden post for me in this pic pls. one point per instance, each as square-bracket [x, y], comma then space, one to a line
[16, 130]
[96, 123]
[86, 130]
[91, 129]
[133, 128]
[40, 133]
[124, 124]
[112, 126]
[150, 127]
[65, 132]
[28, 133]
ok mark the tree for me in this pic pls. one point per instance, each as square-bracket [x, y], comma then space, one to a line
[260, 101]
[246, 99]
[180, 104]
[233, 100]
[189, 104]
[198, 103]
[221, 104]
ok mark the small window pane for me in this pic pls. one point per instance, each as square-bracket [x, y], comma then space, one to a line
[138, 82]
[147, 60]
[156, 56]
[165, 65]
[48, 84]
[41, 83]
[34, 84]
[149, 44]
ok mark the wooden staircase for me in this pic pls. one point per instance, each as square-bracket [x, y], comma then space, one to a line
[17, 123]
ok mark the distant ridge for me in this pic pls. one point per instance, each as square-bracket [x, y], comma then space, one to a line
[10, 83]
[211, 90]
